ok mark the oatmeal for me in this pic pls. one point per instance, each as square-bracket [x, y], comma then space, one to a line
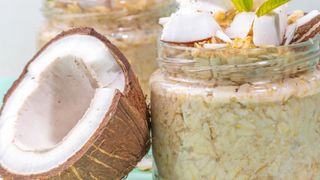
[237, 132]
[234, 105]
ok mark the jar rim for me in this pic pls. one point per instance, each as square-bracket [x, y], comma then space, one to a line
[312, 41]
[227, 50]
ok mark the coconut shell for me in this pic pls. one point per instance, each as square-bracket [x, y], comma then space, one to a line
[122, 138]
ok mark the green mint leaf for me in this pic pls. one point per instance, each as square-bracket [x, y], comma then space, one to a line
[237, 5]
[248, 5]
[270, 5]
[243, 5]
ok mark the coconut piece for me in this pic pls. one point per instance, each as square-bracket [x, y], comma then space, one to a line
[269, 30]
[307, 27]
[241, 25]
[76, 112]
[290, 33]
[266, 31]
[189, 27]
[221, 35]
[282, 15]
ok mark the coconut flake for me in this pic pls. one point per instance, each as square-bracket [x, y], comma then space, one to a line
[269, 30]
[221, 35]
[189, 27]
[305, 19]
[266, 31]
[283, 20]
[290, 33]
[241, 25]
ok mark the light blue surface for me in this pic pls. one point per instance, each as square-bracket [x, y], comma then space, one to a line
[5, 84]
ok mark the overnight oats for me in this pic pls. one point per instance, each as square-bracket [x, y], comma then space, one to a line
[132, 25]
[236, 104]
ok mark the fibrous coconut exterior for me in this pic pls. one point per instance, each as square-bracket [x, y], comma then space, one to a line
[122, 138]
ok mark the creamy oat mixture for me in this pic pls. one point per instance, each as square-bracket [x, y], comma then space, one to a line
[237, 132]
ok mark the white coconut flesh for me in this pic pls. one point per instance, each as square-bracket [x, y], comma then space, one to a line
[186, 27]
[241, 25]
[59, 104]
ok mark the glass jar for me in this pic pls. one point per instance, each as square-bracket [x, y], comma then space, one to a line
[132, 25]
[237, 113]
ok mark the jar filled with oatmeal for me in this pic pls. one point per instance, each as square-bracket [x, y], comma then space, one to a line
[237, 113]
[237, 97]
[132, 25]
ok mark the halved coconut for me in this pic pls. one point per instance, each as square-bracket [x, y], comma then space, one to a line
[190, 27]
[76, 112]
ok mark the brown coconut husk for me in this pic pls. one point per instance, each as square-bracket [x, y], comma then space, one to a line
[118, 144]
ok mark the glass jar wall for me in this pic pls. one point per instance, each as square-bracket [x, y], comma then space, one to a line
[237, 113]
[132, 25]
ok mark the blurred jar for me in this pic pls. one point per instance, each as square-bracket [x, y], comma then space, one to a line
[237, 113]
[132, 25]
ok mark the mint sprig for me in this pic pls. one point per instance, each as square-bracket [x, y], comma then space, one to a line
[243, 5]
[265, 8]
[270, 5]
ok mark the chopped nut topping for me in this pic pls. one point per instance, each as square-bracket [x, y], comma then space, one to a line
[243, 43]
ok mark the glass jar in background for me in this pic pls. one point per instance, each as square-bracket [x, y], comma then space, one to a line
[132, 25]
[237, 113]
